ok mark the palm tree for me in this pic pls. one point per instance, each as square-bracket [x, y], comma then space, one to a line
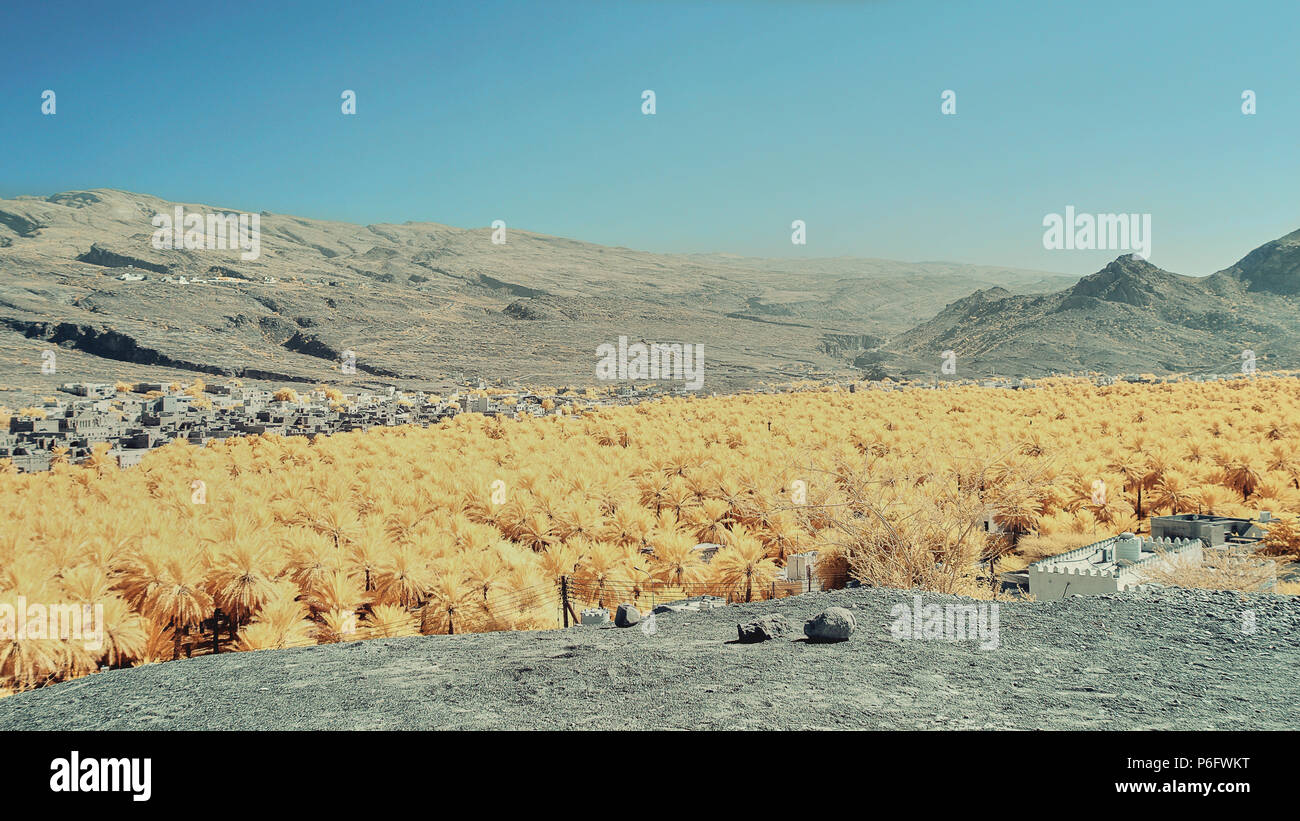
[742, 563]
[125, 633]
[366, 551]
[336, 625]
[448, 598]
[310, 558]
[141, 572]
[179, 598]
[1213, 498]
[336, 591]
[404, 577]
[535, 531]
[242, 578]
[337, 519]
[390, 621]
[782, 535]
[281, 622]
[1017, 516]
[1281, 457]
[711, 520]
[1174, 493]
[562, 559]
[1240, 472]
[485, 570]
[675, 562]
[603, 564]
[577, 519]
[26, 663]
[629, 525]
[1134, 467]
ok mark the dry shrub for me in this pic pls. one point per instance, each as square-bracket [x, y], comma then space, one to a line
[1220, 569]
[925, 528]
[1283, 539]
[1038, 547]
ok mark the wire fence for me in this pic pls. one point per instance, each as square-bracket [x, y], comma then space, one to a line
[546, 605]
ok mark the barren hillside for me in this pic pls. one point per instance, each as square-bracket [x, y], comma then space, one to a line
[418, 302]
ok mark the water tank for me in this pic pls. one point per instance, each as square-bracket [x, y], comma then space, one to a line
[1128, 547]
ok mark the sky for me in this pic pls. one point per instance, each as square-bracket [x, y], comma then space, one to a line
[765, 113]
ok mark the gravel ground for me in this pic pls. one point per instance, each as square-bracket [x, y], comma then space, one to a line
[1171, 659]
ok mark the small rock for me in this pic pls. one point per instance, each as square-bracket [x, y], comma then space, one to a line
[832, 624]
[626, 616]
[762, 629]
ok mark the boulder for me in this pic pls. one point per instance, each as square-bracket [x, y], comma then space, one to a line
[626, 616]
[762, 629]
[832, 624]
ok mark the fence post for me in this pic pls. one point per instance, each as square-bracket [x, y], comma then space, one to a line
[216, 631]
[564, 599]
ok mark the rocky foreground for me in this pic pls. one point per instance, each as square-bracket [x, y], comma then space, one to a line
[1171, 659]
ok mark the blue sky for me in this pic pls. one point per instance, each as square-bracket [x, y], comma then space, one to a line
[767, 112]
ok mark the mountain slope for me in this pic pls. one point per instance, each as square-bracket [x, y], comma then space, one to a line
[1129, 316]
[1273, 267]
[419, 301]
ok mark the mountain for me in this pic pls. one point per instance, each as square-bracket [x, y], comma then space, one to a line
[1273, 267]
[1129, 316]
[420, 302]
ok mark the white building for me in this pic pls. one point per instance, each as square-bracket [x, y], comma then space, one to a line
[1110, 566]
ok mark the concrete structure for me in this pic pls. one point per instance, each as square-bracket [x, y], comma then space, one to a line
[691, 604]
[596, 615]
[1211, 530]
[706, 551]
[801, 566]
[1110, 566]
[798, 576]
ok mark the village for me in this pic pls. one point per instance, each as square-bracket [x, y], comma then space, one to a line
[133, 419]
